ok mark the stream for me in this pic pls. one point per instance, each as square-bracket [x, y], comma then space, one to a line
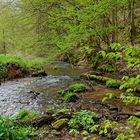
[37, 93]
[40, 93]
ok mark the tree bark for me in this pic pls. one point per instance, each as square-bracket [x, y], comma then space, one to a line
[131, 6]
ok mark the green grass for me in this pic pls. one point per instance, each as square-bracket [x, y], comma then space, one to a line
[25, 64]
[21, 61]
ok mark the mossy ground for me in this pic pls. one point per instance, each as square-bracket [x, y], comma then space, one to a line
[11, 66]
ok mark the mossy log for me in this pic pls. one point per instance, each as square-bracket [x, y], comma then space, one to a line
[104, 79]
[44, 120]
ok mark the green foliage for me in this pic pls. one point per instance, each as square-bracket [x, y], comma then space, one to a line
[135, 121]
[107, 96]
[115, 47]
[3, 70]
[83, 119]
[10, 130]
[23, 63]
[106, 126]
[94, 128]
[109, 59]
[27, 115]
[130, 99]
[129, 136]
[113, 84]
[131, 83]
[78, 87]
[69, 96]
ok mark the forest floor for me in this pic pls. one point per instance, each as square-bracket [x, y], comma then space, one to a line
[89, 109]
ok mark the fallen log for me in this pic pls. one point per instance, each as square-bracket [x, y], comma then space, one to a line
[104, 79]
[44, 120]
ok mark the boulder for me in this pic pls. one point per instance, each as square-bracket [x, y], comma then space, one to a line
[59, 124]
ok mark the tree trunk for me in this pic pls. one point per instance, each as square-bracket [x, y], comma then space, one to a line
[115, 24]
[131, 4]
[4, 44]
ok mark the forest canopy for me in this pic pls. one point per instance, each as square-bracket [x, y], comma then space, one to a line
[50, 27]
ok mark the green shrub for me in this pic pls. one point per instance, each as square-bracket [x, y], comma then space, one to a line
[105, 128]
[3, 70]
[10, 130]
[83, 119]
[70, 97]
[27, 115]
[78, 87]
[113, 84]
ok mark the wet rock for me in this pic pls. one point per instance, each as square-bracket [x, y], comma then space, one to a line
[50, 111]
[39, 73]
[34, 94]
[59, 124]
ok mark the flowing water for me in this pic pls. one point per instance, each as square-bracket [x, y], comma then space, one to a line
[39, 93]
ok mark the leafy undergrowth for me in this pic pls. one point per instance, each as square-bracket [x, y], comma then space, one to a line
[11, 130]
[70, 94]
[13, 66]
[82, 124]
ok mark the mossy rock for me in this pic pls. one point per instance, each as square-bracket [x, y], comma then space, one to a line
[39, 73]
[63, 111]
[78, 87]
[59, 124]
[50, 111]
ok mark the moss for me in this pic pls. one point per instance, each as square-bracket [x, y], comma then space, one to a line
[39, 73]
[17, 66]
[78, 87]
[109, 81]
[50, 111]
[59, 124]
[27, 115]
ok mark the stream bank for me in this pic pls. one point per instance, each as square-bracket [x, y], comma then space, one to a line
[41, 93]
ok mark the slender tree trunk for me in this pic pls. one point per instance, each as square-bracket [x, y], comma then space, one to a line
[115, 24]
[132, 21]
[4, 44]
